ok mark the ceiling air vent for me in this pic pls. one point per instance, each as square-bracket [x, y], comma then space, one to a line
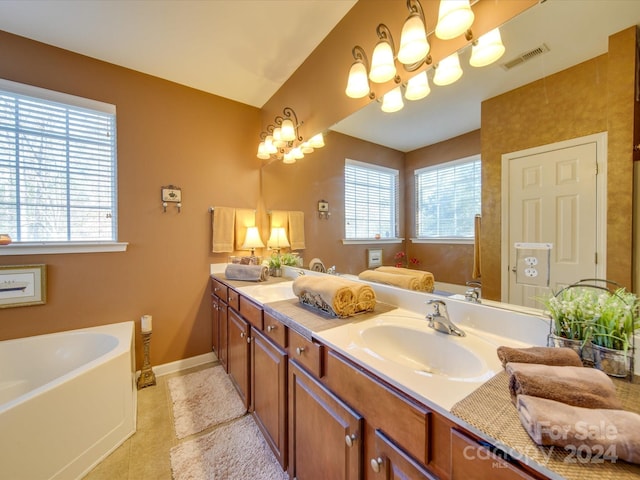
[524, 57]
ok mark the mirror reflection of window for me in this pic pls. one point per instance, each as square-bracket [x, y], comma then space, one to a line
[371, 201]
[448, 199]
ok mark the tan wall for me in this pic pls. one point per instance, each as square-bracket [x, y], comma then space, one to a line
[167, 134]
[449, 263]
[320, 176]
[594, 96]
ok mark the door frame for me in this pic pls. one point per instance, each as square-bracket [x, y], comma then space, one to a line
[600, 140]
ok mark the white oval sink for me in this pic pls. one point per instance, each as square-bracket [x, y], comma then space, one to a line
[423, 352]
[270, 292]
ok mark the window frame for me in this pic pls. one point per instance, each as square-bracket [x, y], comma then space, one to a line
[62, 246]
[394, 223]
[467, 240]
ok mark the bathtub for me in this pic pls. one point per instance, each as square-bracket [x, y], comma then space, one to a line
[66, 401]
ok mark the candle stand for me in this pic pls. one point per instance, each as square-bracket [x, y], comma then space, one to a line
[147, 377]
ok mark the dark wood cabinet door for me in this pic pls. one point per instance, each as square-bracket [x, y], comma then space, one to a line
[238, 354]
[269, 393]
[325, 434]
[223, 339]
[215, 325]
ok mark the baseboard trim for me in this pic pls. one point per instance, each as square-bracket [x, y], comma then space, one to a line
[182, 364]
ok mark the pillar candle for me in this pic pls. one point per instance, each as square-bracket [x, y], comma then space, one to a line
[146, 323]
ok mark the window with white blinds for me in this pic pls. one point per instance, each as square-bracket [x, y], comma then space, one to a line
[57, 166]
[371, 201]
[447, 199]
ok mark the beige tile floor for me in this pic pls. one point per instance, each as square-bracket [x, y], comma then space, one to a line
[145, 455]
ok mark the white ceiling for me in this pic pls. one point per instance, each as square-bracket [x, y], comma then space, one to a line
[245, 50]
[239, 49]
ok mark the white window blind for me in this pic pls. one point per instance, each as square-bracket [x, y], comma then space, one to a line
[57, 166]
[448, 198]
[371, 201]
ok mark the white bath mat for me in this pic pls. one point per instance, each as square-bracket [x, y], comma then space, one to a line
[203, 399]
[233, 451]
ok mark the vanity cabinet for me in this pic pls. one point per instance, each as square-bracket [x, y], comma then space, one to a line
[471, 459]
[325, 434]
[219, 295]
[238, 351]
[269, 391]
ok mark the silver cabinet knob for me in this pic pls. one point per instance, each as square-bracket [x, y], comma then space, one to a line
[228, 299]
[299, 350]
[376, 463]
[248, 339]
[271, 328]
[242, 334]
[350, 439]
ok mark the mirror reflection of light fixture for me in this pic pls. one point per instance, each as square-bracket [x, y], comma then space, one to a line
[252, 240]
[454, 18]
[487, 49]
[392, 101]
[448, 70]
[282, 140]
[417, 87]
[414, 45]
[358, 81]
[278, 239]
[383, 65]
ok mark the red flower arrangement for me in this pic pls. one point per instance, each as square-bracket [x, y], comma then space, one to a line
[402, 260]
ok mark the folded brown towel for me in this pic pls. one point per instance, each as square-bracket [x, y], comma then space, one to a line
[248, 273]
[365, 297]
[542, 355]
[425, 279]
[345, 297]
[408, 282]
[609, 434]
[578, 386]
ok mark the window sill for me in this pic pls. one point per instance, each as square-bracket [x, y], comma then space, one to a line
[445, 241]
[62, 247]
[371, 241]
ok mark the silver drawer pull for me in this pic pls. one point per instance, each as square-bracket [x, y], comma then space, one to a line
[350, 439]
[376, 463]
[271, 328]
[299, 350]
[242, 334]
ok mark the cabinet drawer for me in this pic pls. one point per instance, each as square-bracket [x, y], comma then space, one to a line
[251, 312]
[306, 353]
[392, 462]
[404, 421]
[219, 289]
[233, 299]
[275, 330]
[470, 459]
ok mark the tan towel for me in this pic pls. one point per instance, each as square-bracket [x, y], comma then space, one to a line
[222, 224]
[335, 292]
[365, 297]
[296, 230]
[244, 218]
[559, 356]
[248, 273]
[280, 218]
[425, 279]
[578, 386]
[408, 282]
[606, 434]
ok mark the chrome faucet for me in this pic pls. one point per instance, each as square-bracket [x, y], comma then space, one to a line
[332, 270]
[440, 321]
[300, 272]
[474, 292]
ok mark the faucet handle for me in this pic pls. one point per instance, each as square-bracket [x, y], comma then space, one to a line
[436, 306]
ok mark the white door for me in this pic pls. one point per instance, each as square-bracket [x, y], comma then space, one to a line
[553, 198]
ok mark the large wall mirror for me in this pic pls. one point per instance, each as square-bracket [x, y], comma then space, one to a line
[552, 37]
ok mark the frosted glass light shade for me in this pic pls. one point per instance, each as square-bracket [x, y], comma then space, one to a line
[392, 101]
[358, 82]
[288, 158]
[297, 153]
[454, 18]
[269, 146]
[287, 130]
[306, 148]
[252, 239]
[487, 49]
[317, 141]
[278, 238]
[417, 87]
[383, 67]
[413, 42]
[448, 71]
[262, 152]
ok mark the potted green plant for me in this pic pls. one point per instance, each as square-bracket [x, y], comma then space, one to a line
[597, 323]
[275, 265]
